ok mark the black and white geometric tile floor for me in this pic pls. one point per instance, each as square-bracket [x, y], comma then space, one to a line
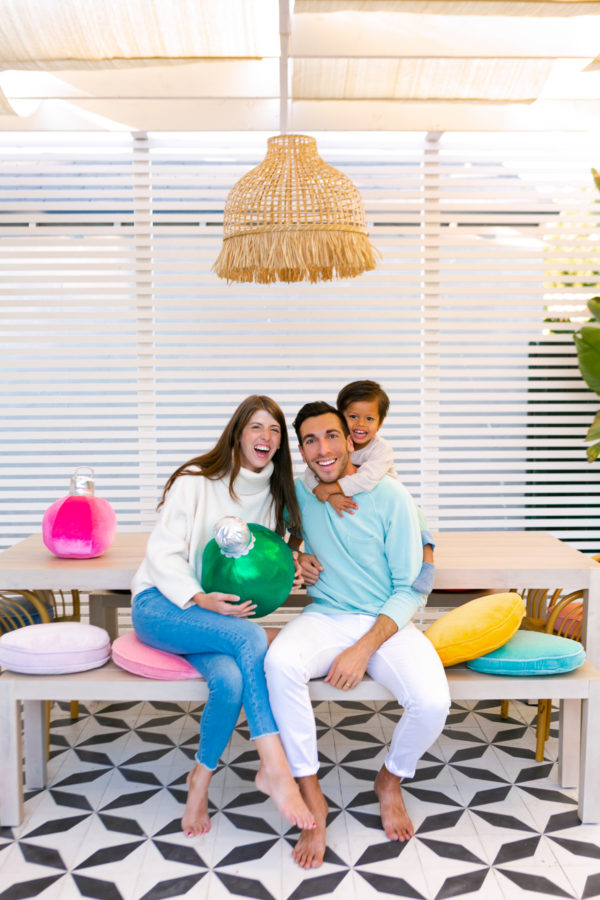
[490, 822]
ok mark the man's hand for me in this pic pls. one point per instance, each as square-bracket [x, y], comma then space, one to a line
[310, 567]
[298, 574]
[348, 668]
[225, 604]
[343, 504]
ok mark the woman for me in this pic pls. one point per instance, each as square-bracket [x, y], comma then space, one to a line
[247, 474]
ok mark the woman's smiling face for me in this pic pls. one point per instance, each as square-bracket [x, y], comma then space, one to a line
[259, 441]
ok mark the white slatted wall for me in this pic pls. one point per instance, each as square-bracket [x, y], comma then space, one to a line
[506, 445]
[120, 349]
[68, 321]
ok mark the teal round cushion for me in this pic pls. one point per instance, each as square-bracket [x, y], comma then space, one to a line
[531, 653]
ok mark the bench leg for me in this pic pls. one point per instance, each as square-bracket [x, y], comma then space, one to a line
[569, 739]
[36, 743]
[11, 761]
[589, 780]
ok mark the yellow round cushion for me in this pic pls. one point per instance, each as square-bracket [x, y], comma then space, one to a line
[476, 627]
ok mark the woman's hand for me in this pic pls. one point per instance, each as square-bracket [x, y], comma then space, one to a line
[225, 604]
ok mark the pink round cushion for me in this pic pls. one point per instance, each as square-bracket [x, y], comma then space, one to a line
[569, 618]
[54, 648]
[130, 654]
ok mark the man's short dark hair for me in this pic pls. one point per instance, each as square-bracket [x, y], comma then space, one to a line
[317, 408]
[364, 390]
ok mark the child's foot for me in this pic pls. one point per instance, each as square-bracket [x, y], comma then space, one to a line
[283, 790]
[195, 817]
[396, 822]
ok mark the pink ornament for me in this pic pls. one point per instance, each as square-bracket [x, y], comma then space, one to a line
[81, 525]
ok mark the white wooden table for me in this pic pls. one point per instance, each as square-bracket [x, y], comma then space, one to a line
[482, 560]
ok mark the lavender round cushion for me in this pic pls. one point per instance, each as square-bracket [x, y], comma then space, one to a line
[54, 648]
[131, 654]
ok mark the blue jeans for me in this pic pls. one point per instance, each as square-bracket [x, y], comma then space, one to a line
[229, 653]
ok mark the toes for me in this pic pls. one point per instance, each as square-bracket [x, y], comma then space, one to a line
[398, 833]
[304, 859]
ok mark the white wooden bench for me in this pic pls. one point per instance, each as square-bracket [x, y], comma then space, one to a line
[578, 693]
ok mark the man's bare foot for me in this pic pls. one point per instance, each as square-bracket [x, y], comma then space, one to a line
[310, 849]
[283, 790]
[396, 822]
[195, 817]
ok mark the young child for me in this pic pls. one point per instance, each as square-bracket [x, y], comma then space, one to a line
[364, 405]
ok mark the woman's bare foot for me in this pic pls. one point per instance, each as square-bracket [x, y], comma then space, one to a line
[396, 822]
[310, 849]
[275, 779]
[283, 790]
[195, 817]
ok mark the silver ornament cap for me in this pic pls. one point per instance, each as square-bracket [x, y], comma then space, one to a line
[82, 482]
[233, 537]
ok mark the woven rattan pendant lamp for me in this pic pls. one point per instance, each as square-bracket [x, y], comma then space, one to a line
[294, 218]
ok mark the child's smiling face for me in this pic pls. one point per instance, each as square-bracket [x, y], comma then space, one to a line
[363, 421]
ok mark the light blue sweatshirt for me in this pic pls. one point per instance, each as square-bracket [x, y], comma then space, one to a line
[370, 559]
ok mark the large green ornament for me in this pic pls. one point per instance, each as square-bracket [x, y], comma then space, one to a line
[248, 560]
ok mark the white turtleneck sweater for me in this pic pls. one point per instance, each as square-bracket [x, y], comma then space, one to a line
[173, 561]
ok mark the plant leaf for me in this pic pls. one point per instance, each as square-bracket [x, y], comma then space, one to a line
[593, 451]
[596, 178]
[587, 340]
[594, 307]
[594, 429]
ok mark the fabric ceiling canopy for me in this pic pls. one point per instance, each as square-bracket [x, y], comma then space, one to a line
[62, 34]
[455, 7]
[220, 64]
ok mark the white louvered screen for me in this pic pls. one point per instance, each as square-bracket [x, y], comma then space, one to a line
[69, 323]
[215, 342]
[512, 411]
[120, 349]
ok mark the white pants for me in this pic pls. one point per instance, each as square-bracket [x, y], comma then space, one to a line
[407, 664]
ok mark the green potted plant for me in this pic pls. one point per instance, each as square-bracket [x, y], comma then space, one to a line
[587, 341]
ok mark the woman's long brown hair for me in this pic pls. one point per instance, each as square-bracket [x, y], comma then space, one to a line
[224, 460]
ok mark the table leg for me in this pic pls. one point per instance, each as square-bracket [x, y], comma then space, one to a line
[569, 732]
[104, 612]
[36, 750]
[11, 755]
[589, 771]
[591, 619]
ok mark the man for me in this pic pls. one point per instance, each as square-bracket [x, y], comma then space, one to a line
[359, 570]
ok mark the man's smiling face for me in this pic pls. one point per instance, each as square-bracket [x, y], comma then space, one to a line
[324, 447]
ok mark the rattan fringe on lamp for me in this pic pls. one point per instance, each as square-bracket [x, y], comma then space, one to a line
[294, 218]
